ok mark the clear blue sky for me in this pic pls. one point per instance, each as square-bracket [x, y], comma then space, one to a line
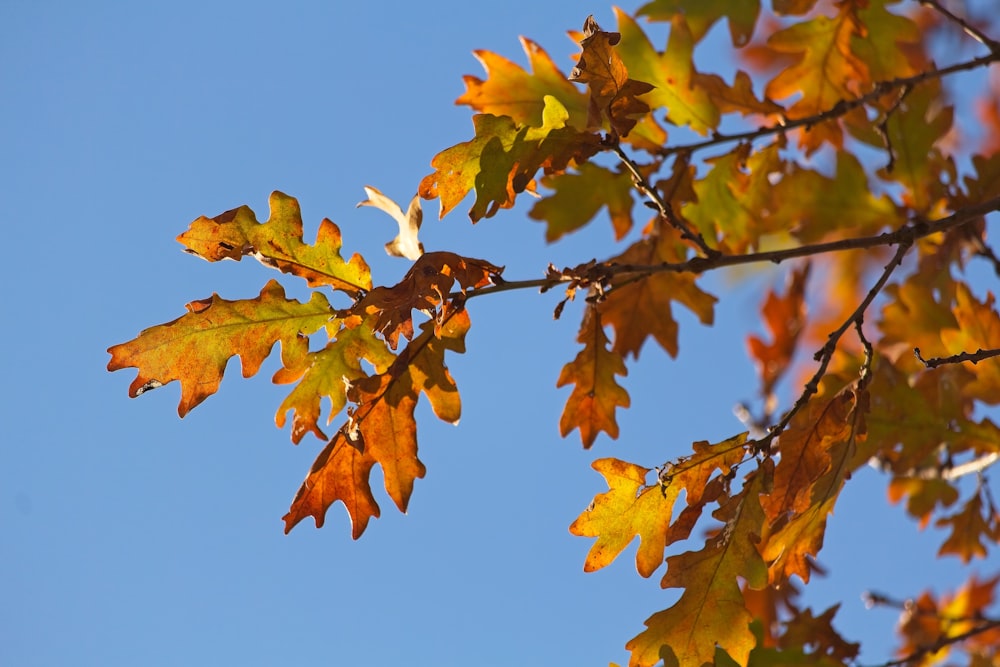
[130, 537]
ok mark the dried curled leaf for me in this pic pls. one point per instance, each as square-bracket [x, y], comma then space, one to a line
[613, 95]
[406, 244]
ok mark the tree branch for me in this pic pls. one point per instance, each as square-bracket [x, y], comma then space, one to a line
[663, 205]
[941, 643]
[974, 357]
[825, 354]
[969, 29]
[909, 233]
[839, 109]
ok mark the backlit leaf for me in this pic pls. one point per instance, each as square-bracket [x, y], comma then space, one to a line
[642, 308]
[969, 527]
[711, 611]
[325, 374]
[978, 327]
[406, 244]
[784, 317]
[631, 508]
[511, 91]
[579, 196]
[701, 15]
[195, 347]
[671, 74]
[825, 72]
[278, 243]
[381, 428]
[424, 287]
[596, 393]
[502, 159]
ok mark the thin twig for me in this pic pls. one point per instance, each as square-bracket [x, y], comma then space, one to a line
[663, 206]
[883, 127]
[969, 29]
[986, 252]
[941, 643]
[974, 357]
[825, 354]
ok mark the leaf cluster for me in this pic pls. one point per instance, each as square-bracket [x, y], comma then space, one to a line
[875, 254]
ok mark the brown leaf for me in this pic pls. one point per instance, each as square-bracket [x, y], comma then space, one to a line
[612, 94]
[596, 394]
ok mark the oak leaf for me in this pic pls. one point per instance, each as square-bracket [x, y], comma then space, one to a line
[579, 196]
[671, 74]
[596, 394]
[701, 15]
[381, 429]
[278, 243]
[711, 611]
[613, 95]
[428, 284]
[969, 526]
[503, 158]
[826, 71]
[406, 244]
[735, 199]
[798, 515]
[977, 327]
[326, 374]
[632, 508]
[784, 317]
[512, 91]
[195, 347]
[638, 309]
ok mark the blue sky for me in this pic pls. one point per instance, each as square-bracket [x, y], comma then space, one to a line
[131, 537]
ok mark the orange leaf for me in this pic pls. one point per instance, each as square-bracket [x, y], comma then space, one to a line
[968, 527]
[341, 473]
[826, 72]
[511, 91]
[278, 243]
[813, 480]
[382, 429]
[596, 395]
[195, 347]
[978, 328]
[642, 308]
[784, 317]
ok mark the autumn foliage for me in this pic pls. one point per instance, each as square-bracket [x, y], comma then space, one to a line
[831, 152]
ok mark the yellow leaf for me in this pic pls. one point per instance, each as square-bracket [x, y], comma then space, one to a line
[711, 611]
[278, 243]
